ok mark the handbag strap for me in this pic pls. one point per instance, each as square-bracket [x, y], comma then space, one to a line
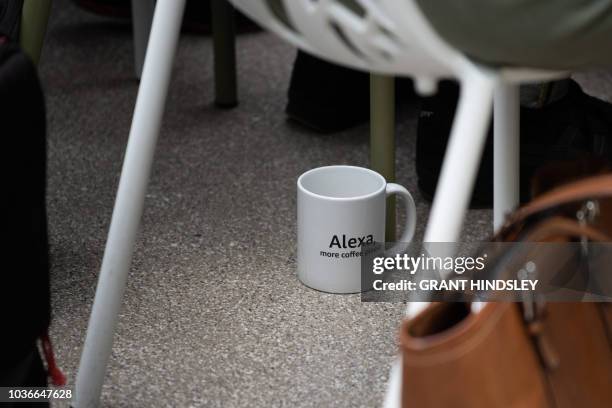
[564, 227]
[592, 188]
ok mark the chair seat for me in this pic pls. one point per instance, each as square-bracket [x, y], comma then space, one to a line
[344, 32]
[549, 34]
[429, 40]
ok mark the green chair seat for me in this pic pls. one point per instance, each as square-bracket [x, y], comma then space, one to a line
[550, 34]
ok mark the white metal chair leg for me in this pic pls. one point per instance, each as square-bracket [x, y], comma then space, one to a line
[506, 152]
[460, 166]
[129, 202]
[142, 17]
[393, 393]
[455, 186]
[462, 158]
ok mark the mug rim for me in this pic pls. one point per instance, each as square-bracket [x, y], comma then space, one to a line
[353, 198]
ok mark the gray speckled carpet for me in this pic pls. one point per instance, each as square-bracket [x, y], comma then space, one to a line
[213, 315]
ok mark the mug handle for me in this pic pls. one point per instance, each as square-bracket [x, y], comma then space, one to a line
[411, 214]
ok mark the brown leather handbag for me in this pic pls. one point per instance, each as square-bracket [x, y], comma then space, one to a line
[517, 354]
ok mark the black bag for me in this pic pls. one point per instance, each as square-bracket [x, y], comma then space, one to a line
[24, 281]
[575, 126]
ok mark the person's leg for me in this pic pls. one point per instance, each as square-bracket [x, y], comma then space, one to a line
[557, 123]
[24, 285]
[33, 27]
[328, 98]
[224, 42]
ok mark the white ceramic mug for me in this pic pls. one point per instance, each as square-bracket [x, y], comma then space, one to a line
[340, 209]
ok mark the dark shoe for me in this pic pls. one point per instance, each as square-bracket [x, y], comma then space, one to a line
[196, 19]
[568, 129]
[329, 98]
[28, 372]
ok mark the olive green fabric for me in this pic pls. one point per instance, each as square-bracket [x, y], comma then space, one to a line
[554, 34]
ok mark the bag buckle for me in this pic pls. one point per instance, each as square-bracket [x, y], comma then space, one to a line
[534, 310]
[586, 215]
[531, 306]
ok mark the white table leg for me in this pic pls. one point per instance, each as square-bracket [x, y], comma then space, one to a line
[142, 17]
[506, 152]
[129, 202]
